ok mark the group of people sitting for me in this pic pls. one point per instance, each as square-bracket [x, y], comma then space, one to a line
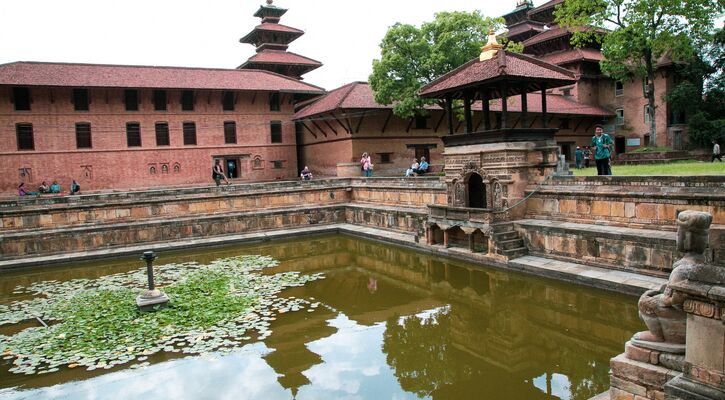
[417, 168]
[75, 188]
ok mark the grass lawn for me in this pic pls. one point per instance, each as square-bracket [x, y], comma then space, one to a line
[673, 168]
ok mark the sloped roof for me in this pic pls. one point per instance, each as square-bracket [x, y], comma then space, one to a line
[503, 66]
[354, 95]
[270, 27]
[555, 104]
[131, 76]
[280, 57]
[573, 55]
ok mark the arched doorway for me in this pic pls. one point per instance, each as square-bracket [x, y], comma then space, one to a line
[476, 191]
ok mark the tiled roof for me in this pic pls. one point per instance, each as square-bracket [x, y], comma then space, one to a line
[544, 7]
[281, 57]
[553, 33]
[129, 76]
[555, 104]
[355, 95]
[573, 55]
[503, 66]
[270, 27]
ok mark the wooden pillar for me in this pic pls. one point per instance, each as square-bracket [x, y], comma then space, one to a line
[486, 110]
[449, 111]
[467, 112]
[445, 238]
[544, 119]
[504, 104]
[524, 107]
[429, 235]
[471, 242]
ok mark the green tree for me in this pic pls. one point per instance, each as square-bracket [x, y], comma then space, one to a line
[412, 57]
[642, 31]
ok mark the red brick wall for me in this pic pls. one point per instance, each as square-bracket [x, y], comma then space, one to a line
[113, 165]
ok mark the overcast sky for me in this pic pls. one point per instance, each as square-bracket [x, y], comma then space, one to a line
[343, 35]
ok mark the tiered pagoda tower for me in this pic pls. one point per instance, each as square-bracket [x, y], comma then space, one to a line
[272, 39]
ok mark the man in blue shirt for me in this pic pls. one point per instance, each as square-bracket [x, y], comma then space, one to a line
[601, 143]
[422, 167]
[579, 156]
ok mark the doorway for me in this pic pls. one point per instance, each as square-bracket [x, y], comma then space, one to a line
[476, 192]
[620, 144]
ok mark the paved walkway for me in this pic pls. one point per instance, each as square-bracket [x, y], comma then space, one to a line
[618, 281]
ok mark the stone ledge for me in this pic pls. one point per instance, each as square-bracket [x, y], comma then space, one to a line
[667, 238]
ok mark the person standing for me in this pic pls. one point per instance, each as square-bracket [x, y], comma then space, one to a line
[217, 173]
[75, 188]
[366, 163]
[601, 143]
[579, 156]
[716, 152]
[587, 156]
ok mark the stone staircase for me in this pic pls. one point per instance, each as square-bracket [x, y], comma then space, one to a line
[507, 241]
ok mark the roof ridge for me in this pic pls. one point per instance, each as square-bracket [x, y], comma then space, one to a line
[344, 97]
[121, 65]
[447, 75]
[543, 64]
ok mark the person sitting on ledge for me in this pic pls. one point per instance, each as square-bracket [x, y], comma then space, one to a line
[306, 174]
[23, 192]
[44, 188]
[422, 167]
[75, 188]
[55, 187]
[413, 167]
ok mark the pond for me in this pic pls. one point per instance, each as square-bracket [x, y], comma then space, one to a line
[393, 324]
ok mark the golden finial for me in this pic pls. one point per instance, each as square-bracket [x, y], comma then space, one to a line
[269, 2]
[491, 48]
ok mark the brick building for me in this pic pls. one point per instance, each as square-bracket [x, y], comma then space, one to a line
[117, 127]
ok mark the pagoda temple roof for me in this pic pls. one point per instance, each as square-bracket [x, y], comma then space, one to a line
[573, 55]
[544, 12]
[281, 57]
[271, 27]
[523, 28]
[270, 11]
[131, 76]
[516, 69]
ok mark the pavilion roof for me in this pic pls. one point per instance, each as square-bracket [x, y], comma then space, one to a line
[555, 104]
[521, 72]
[131, 76]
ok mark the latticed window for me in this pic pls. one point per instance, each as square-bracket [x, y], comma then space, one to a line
[620, 116]
[189, 129]
[83, 135]
[277, 164]
[133, 134]
[618, 88]
[162, 134]
[230, 132]
[24, 133]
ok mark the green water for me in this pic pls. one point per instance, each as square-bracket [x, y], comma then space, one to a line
[397, 325]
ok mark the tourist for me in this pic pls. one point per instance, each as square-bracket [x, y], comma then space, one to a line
[587, 156]
[23, 192]
[44, 188]
[422, 168]
[306, 175]
[75, 188]
[601, 143]
[366, 164]
[716, 152]
[413, 167]
[217, 173]
[55, 187]
[579, 157]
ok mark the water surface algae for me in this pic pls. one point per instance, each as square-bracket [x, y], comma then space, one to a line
[95, 324]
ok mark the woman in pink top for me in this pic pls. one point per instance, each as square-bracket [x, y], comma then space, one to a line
[367, 165]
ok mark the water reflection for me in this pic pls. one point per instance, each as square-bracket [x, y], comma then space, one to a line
[398, 324]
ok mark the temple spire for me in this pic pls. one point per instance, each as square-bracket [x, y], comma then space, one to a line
[491, 48]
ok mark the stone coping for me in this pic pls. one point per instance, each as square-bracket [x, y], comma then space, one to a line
[667, 180]
[601, 231]
[95, 198]
[616, 281]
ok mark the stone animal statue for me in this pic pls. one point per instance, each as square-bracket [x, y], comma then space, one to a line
[661, 310]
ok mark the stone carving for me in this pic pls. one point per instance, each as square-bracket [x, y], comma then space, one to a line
[459, 193]
[177, 168]
[87, 171]
[25, 174]
[497, 195]
[662, 310]
[707, 310]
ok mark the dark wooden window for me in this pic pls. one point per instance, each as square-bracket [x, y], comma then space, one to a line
[133, 134]
[80, 99]
[130, 98]
[274, 102]
[385, 158]
[83, 135]
[21, 98]
[187, 100]
[159, 100]
[230, 132]
[618, 88]
[162, 134]
[421, 122]
[277, 164]
[24, 133]
[189, 129]
[276, 128]
[228, 101]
